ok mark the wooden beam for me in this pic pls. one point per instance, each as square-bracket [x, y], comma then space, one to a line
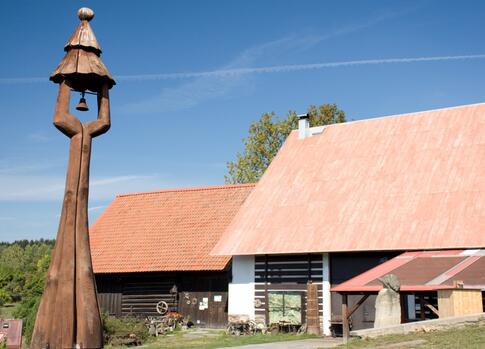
[345, 319]
[433, 309]
[421, 307]
[357, 305]
[266, 296]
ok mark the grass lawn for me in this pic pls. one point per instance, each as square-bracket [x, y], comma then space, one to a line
[468, 337]
[7, 310]
[212, 339]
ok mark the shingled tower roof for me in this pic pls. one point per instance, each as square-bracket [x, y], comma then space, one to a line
[82, 66]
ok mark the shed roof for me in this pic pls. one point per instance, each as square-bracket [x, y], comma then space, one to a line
[167, 230]
[424, 271]
[406, 182]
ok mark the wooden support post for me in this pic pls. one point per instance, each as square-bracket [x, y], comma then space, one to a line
[345, 318]
[404, 306]
[266, 296]
[421, 307]
[312, 311]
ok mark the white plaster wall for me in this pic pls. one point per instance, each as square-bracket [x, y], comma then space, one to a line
[326, 298]
[241, 289]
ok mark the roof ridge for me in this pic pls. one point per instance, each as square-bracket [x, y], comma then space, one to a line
[398, 115]
[199, 188]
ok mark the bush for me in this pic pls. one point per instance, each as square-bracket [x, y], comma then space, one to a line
[4, 297]
[124, 330]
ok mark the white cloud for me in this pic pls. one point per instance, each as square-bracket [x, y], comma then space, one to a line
[210, 85]
[96, 208]
[236, 72]
[51, 188]
[39, 136]
[217, 83]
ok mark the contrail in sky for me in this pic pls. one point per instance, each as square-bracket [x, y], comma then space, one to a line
[262, 70]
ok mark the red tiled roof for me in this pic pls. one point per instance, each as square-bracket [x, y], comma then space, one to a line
[422, 271]
[408, 182]
[167, 230]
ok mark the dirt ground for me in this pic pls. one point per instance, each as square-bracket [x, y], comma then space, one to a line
[468, 337]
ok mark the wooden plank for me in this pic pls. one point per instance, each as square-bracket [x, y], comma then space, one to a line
[345, 319]
[303, 273]
[289, 265]
[266, 301]
[282, 286]
[458, 302]
[287, 258]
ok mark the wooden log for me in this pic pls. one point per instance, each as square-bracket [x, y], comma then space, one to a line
[345, 319]
[88, 320]
[68, 314]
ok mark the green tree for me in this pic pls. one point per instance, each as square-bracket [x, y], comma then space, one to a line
[12, 270]
[266, 137]
[34, 286]
[23, 266]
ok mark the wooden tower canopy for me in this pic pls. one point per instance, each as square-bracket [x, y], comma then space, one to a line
[82, 65]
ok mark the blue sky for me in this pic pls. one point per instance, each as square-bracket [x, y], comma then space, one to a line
[192, 76]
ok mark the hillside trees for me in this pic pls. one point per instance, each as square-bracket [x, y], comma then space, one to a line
[23, 266]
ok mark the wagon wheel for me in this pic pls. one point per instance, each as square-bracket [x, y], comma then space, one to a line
[162, 307]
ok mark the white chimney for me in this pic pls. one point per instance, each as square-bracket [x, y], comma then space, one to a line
[303, 125]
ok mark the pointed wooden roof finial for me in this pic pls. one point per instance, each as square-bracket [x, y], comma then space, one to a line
[82, 67]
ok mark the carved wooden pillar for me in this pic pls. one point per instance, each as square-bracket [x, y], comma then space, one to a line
[68, 315]
[312, 309]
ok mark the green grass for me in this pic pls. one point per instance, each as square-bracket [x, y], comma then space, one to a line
[468, 337]
[7, 310]
[216, 339]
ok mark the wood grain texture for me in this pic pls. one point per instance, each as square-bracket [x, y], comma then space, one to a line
[68, 314]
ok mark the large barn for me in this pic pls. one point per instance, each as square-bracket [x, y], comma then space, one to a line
[144, 244]
[340, 199]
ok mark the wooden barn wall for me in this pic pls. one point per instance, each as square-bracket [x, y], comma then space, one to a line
[137, 294]
[109, 289]
[194, 287]
[286, 273]
[344, 266]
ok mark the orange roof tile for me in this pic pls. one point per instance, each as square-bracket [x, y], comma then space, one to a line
[414, 181]
[167, 230]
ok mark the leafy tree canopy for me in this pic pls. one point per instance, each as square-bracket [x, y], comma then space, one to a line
[23, 266]
[266, 137]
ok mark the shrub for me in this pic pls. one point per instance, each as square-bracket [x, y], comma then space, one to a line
[124, 330]
[4, 297]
